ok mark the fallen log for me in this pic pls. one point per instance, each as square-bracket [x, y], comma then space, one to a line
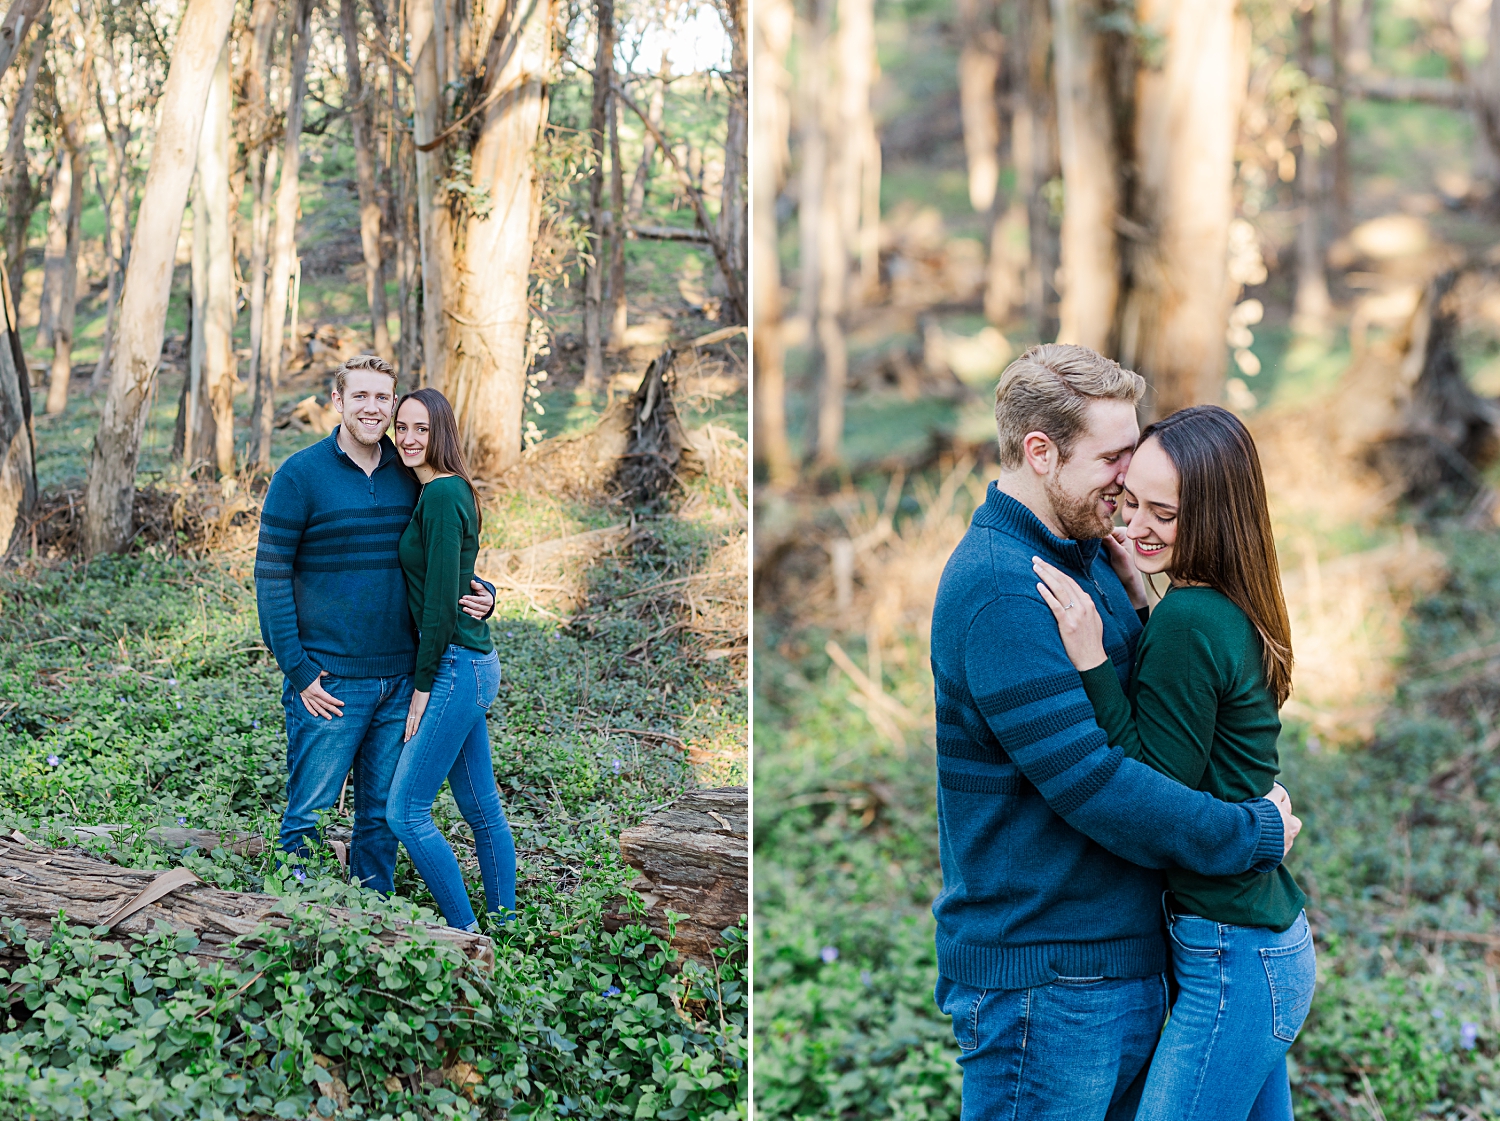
[37, 883]
[244, 844]
[693, 857]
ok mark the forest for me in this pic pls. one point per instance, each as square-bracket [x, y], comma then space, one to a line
[1287, 207]
[538, 210]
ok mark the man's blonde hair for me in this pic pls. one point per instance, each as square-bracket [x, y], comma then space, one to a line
[371, 362]
[1048, 389]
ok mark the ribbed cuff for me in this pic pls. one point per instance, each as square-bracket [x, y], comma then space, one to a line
[303, 674]
[1268, 852]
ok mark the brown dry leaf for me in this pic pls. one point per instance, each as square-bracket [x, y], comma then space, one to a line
[463, 1075]
[392, 1083]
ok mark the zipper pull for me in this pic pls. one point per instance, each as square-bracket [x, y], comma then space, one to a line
[1104, 598]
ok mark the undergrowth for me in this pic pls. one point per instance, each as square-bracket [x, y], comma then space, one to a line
[1399, 844]
[135, 692]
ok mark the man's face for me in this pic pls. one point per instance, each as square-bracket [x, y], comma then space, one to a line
[365, 405]
[1085, 489]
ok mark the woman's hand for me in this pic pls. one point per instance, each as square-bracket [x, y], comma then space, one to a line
[414, 713]
[1077, 617]
[1118, 550]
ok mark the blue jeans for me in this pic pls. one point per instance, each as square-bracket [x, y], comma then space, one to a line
[453, 743]
[319, 753]
[1243, 992]
[1074, 1050]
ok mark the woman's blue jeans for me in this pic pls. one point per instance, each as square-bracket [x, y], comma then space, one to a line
[1243, 992]
[452, 743]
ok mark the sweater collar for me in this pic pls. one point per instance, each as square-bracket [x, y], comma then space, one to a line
[1013, 518]
[387, 450]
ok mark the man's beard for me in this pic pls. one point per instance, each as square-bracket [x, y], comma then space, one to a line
[361, 436]
[1078, 518]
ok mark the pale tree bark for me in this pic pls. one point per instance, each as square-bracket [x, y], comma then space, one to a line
[18, 20]
[733, 217]
[434, 226]
[75, 151]
[1310, 302]
[491, 314]
[1036, 126]
[618, 311]
[654, 109]
[116, 238]
[594, 266]
[219, 374]
[284, 238]
[771, 117]
[1187, 121]
[1090, 285]
[364, 168]
[17, 433]
[194, 421]
[255, 109]
[980, 54]
[20, 193]
[148, 281]
[55, 251]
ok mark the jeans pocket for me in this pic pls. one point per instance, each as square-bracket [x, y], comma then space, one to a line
[1194, 935]
[962, 1004]
[1292, 972]
[486, 681]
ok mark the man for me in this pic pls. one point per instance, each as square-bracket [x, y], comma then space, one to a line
[1050, 943]
[333, 613]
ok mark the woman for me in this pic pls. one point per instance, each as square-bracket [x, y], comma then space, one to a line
[1212, 668]
[457, 675]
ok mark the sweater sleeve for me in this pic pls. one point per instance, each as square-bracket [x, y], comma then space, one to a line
[1170, 727]
[282, 521]
[1033, 700]
[442, 538]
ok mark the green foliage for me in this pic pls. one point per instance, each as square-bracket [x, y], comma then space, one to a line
[1398, 840]
[134, 691]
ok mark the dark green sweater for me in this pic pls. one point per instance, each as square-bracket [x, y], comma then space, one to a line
[1200, 711]
[437, 553]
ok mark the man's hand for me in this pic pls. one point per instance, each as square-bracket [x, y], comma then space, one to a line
[414, 713]
[1291, 824]
[319, 701]
[1124, 565]
[480, 603]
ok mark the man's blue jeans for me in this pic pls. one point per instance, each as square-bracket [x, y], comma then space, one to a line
[453, 743]
[1243, 992]
[1074, 1050]
[319, 753]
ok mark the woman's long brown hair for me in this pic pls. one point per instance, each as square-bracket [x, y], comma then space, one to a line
[1224, 537]
[445, 453]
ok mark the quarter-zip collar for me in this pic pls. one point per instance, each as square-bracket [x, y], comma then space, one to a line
[387, 452]
[1004, 513]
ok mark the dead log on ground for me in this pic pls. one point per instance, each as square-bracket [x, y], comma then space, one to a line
[693, 858]
[37, 883]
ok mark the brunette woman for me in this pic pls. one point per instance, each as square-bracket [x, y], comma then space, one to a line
[1212, 669]
[457, 674]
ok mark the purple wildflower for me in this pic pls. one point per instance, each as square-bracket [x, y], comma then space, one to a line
[53, 760]
[1468, 1035]
[829, 954]
[613, 990]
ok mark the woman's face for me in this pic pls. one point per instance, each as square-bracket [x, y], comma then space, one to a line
[1149, 504]
[412, 433]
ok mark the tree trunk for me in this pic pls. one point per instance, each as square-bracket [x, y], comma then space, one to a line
[979, 58]
[75, 149]
[219, 374]
[408, 263]
[434, 225]
[261, 209]
[21, 196]
[1038, 103]
[772, 124]
[255, 109]
[54, 255]
[284, 240]
[1187, 122]
[1310, 304]
[148, 281]
[733, 218]
[194, 421]
[593, 271]
[492, 268]
[1090, 283]
[364, 167]
[116, 242]
[1338, 47]
[618, 309]
[654, 109]
[18, 20]
[17, 433]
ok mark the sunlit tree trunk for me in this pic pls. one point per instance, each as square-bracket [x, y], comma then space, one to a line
[435, 230]
[18, 20]
[733, 218]
[55, 252]
[20, 194]
[219, 374]
[116, 242]
[194, 420]
[594, 269]
[979, 59]
[1187, 121]
[65, 306]
[255, 113]
[770, 109]
[148, 281]
[654, 109]
[487, 380]
[364, 168]
[1090, 284]
[284, 239]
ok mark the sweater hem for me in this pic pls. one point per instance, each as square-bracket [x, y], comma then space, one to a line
[1041, 963]
[383, 665]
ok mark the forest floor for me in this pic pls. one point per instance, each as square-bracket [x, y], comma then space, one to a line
[135, 691]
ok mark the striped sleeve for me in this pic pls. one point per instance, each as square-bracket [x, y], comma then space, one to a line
[283, 518]
[1033, 700]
